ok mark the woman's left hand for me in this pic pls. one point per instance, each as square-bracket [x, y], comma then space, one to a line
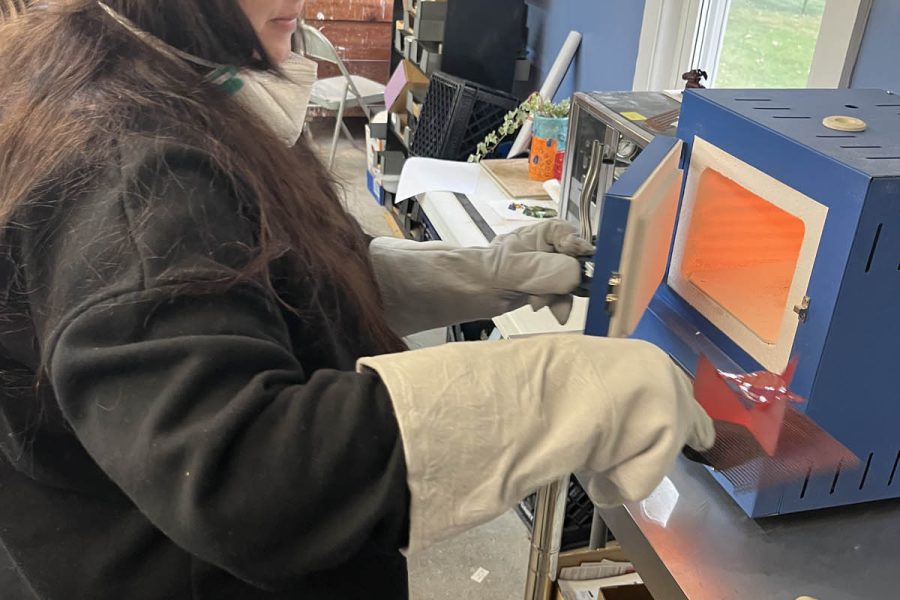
[433, 284]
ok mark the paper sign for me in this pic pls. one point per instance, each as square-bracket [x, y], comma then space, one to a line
[423, 175]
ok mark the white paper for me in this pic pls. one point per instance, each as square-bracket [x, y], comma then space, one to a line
[578, 590]
[620, 581]
[583, 590]
[479, 575]
[423, 175]
[606, 568]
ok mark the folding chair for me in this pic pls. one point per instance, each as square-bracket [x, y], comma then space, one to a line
[333, 93]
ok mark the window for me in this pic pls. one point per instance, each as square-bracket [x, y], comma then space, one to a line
[758, 43]
[750, 43]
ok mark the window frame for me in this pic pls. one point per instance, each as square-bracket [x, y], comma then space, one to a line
[677, 35]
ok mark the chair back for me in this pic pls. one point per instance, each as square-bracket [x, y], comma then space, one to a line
[316, 46]
[313, 44]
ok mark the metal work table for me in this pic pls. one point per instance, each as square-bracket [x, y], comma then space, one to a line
[690, 540]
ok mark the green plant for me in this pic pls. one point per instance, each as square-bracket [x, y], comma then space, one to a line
[514, 119]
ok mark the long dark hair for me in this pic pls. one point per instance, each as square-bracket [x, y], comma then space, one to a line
[70, 75]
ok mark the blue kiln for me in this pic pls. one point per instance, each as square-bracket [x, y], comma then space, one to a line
[758, 235]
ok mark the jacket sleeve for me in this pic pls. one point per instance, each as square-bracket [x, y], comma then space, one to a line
[195, 405]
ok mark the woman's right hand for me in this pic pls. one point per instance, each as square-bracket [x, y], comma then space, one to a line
[486, 423]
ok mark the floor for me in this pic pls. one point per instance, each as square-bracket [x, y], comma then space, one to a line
[350, 173]
[501, 547]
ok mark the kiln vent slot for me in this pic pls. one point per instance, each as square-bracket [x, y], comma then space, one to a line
[837, 475]
[805, 483]
[865, 474]
[874, 246]
[894, 470]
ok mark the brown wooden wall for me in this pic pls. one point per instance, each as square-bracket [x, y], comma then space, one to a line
[361, 31]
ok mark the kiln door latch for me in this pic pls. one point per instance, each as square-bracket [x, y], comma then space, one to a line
[802, 309]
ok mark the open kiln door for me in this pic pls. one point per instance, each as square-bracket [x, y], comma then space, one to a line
[637, 222]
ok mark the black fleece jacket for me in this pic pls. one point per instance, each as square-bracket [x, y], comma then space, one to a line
[183, 445]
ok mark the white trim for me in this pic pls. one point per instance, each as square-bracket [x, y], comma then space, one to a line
[646, 56]
[840, 36]
[670, 43]
[710, 33]
[666, 44]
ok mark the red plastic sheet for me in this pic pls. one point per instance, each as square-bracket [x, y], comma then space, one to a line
[761, 438]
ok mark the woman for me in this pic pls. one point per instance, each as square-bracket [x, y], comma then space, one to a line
[205, 394]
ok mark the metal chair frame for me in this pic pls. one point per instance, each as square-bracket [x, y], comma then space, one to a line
[313, 44]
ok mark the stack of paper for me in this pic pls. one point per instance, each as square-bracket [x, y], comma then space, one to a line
[586, 581]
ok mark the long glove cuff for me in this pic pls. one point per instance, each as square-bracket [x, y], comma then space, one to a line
[485, 423]
[425, 286]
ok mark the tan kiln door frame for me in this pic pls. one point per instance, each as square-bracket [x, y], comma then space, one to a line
[648, 238]
[770, 345]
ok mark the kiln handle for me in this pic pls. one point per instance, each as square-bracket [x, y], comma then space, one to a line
[590, 188]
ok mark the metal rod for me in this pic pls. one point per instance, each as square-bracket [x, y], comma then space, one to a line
[599, 532]
[589, 189]
[546, 537]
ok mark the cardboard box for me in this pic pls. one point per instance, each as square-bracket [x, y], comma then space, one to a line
[429, 30]
[407, 136]
[430, 10]
[426, 19]
[429, 59]
[374, 147]
[523, 69]
[578, 557]
[414, 103]
[613, 591]
[392, 162]
[614, 553]
[399, 120]
[374, 187]
[408, 19]
[379, 130]
[406, 77]
[631, 592]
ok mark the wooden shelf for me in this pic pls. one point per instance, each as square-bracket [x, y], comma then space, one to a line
[398, 136]
[481, 42]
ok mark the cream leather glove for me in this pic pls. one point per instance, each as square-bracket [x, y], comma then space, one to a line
[432, 284]
[486, 423]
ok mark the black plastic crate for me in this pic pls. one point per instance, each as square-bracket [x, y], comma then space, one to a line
[578, 520]
[456, 117]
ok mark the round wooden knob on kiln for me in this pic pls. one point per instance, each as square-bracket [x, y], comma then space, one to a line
[844, 123]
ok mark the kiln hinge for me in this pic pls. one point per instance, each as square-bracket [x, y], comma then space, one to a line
[615, 280]
[802, 309]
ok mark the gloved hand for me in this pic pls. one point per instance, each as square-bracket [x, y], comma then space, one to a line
[432, 284]
[486, 423]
